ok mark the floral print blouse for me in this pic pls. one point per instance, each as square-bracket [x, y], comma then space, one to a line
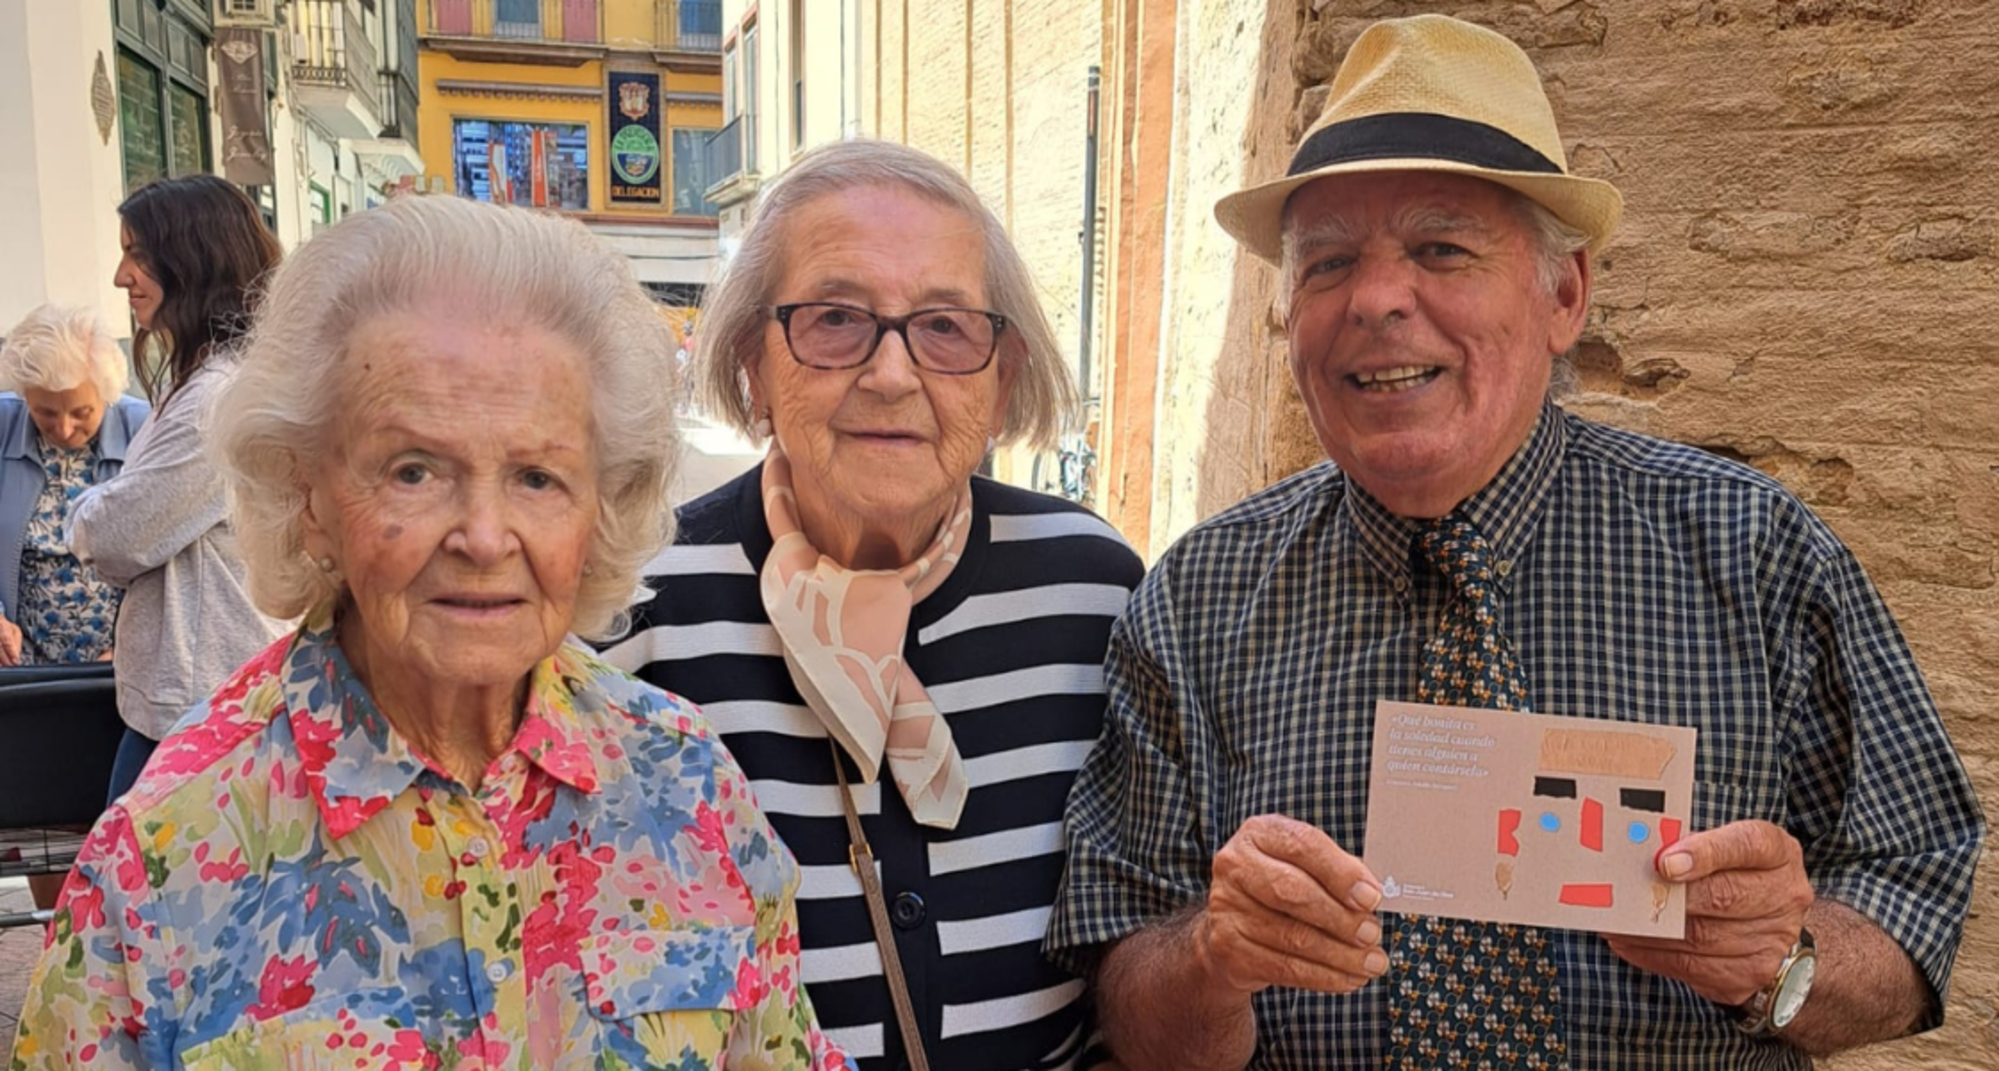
[65, 612]
[291, 885]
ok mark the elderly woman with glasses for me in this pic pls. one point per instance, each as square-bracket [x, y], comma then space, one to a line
[428, 829]
[63, 431]
[904, 656]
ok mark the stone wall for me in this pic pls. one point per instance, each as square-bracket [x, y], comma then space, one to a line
[1223, 401]
[1805, 280]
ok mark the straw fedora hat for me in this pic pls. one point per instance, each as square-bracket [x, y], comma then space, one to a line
[1431, 93]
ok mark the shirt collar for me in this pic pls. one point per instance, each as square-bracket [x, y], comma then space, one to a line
[19, 442]
[47, 454]
[115, 434]
[357, 764]
[1505, 510]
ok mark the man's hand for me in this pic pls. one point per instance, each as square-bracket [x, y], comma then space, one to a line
[1289, 907]
[1747, 894]
[10, 643]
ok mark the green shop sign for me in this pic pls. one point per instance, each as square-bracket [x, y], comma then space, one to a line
[634, 104]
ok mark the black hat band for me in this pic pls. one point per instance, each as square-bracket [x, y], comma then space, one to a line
[1418, 135]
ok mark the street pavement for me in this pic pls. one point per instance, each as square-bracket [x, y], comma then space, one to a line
[18, 948]
[714, 456]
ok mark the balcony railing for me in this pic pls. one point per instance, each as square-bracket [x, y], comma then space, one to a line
[399, 107]
[722, 156]
[337, 52]
[555, 21]
[690, 25]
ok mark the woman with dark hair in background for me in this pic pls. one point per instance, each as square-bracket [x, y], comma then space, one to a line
[195, 251]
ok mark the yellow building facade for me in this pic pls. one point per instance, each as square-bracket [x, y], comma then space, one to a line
[598, 108]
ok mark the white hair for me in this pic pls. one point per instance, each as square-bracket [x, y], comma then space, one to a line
[738, 305]
[1555, 243]
[62, 347]
[512, 266]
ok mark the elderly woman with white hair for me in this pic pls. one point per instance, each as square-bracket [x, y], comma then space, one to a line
[64, 428]
[427, 829]
[863, 586]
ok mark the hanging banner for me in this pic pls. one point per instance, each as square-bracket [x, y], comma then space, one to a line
[538, 169]
[496, 173]
[246, 143]
[635, 152]
[551, 156]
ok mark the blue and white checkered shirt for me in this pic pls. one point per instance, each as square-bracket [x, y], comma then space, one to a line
[1641, 581]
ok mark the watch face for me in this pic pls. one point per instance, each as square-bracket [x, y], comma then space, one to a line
[1791, 994]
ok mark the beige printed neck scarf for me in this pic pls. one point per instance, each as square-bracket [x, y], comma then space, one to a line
[842, 631]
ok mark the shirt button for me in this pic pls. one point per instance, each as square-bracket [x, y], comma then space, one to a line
[907, 910]
[1505, 568]
[497, 972]
[478, 846]
[1401, 585]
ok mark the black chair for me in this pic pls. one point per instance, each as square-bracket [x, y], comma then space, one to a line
[86, 671]
[59, 732]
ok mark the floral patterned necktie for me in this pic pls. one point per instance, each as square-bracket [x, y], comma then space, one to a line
[1470, 995]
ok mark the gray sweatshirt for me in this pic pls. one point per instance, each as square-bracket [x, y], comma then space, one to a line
[157, 530]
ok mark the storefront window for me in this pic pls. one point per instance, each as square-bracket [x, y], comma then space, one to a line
[189, 130]
[142, 130]
[536, 164]
[162, 87]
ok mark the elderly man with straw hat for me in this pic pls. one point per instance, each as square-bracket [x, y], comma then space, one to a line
[1472, 544]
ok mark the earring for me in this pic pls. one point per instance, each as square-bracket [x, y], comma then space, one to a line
[760, 427]
[325, 565]
[991, 444]
[589, 570]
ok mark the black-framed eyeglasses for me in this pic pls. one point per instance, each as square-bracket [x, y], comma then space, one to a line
[834, 337]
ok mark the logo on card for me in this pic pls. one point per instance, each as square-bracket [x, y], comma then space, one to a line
[1390, 889]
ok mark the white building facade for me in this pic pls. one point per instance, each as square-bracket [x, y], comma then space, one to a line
[98, 97]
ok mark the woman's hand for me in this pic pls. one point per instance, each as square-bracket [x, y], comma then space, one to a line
[10, 643]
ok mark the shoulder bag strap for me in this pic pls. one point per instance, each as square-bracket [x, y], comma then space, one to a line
[863, 859]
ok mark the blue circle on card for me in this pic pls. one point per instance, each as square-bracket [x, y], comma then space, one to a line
[1639, 832]
[1550, 822]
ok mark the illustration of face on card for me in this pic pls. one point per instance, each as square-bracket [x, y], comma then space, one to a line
[1533, 819]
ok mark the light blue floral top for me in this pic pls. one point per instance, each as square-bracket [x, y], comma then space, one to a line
[65, 612]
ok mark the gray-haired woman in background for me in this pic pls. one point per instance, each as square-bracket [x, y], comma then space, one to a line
[63, 431]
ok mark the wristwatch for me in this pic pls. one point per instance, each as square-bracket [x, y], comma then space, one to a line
[1771, 1010]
